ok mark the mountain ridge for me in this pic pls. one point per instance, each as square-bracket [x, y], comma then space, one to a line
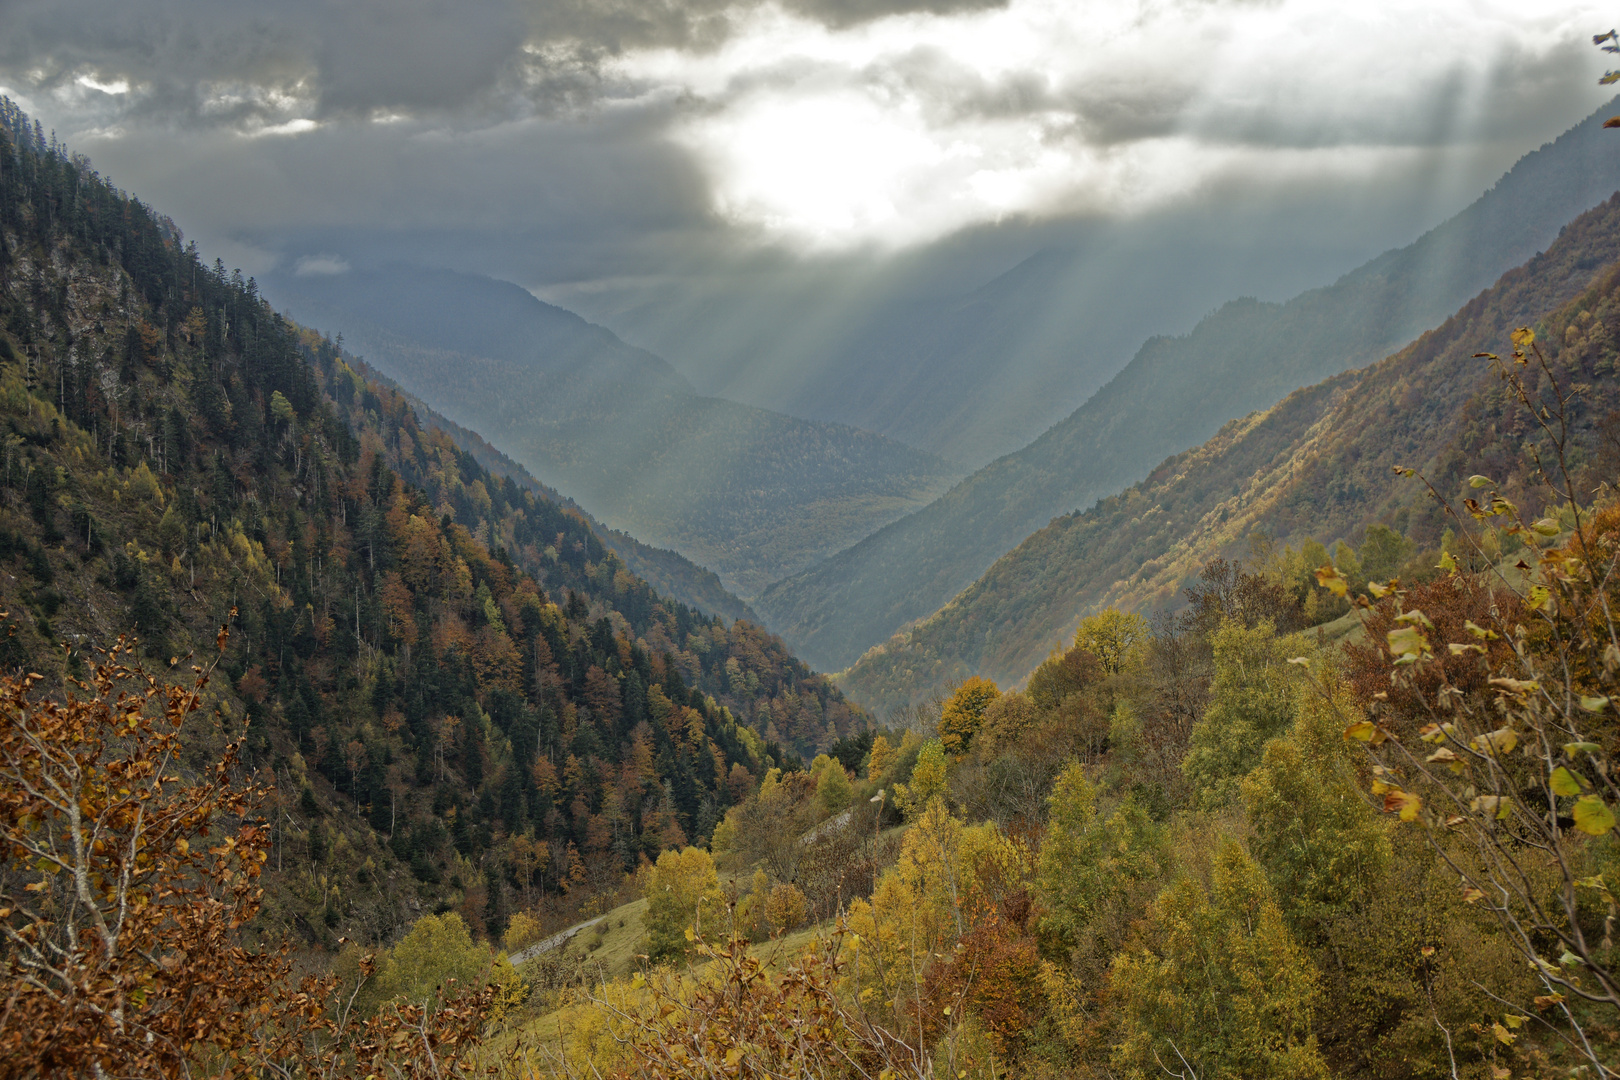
[1178, 391]
[1319, 465]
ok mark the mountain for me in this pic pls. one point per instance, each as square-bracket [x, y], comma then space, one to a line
[669, 572]
[1321, 464]
[1177, 392]
[459, 692]
[753, 494]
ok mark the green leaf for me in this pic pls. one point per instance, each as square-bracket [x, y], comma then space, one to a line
[1415, 618]
[1546, 527]
[1564, 782]
[1408, 641]
[1446, 563]
[1594, 704]
[1576, 749]
[1593, 816]
[1478, 481]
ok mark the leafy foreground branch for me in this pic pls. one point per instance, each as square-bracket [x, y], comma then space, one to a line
[128, 883]
[1500, 744]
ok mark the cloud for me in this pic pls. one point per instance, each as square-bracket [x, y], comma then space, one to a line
[323, 265]
[820, 124]
[903, 129]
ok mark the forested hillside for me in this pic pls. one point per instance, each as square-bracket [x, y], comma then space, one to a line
[1178, 392]
[672, 574]
[752, 494]
[1317, 465]
[463, 695]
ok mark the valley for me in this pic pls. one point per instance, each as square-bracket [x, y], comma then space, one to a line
[408, 677]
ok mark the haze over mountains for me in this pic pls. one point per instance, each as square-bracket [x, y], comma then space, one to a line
[1318, 465]
[1178, 392]
[752, 494]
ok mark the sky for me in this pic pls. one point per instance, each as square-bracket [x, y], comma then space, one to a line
[625, 157]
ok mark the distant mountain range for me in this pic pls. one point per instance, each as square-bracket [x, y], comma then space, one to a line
[755, 495]
[1320, 464]
[1177, 392]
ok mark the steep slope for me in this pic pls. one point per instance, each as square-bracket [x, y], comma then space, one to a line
[1178, 392]
[462, 695]
[1318, 464]
[669, 572]
[753, 494]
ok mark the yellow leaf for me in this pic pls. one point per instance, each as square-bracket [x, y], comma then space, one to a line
[1378, 591]
[1405, 802]
[1457, 649]
[1546, 527]
[1472, 895]
[1500, 741]
[1361, 730]
[1523, 336]
[1446, 563]
[1564, 782]
[1328, 577]
[1514, 1020]
[1574, 749]
[1593, 816]
[1479, 631]
[1498, 806]
[1594, 704]
[1503, 1035]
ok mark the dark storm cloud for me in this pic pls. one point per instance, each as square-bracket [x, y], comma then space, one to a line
[225, 63]
[201, 61]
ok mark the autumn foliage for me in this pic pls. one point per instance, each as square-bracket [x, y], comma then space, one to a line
[128, 885]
